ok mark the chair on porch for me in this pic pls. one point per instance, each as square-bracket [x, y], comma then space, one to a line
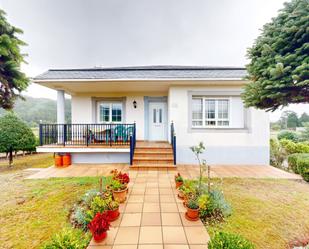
[122, 133]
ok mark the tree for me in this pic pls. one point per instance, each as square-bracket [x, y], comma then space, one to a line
[304, 118]
[12, 80]
[289, 119]
[279, 68]
[15, 135]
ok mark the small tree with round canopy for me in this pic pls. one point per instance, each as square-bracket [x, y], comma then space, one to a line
[15, 135]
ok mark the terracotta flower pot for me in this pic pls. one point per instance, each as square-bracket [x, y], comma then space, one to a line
[192, 214]
[99, 237]
[113, 214]
[180, 195]
[178, 184]
[120, 195]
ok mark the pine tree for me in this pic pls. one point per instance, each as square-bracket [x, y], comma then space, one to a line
[12, 80]
[279, 66]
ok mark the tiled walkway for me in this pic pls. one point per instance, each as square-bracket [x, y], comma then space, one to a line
[189, 171]
[153, 217]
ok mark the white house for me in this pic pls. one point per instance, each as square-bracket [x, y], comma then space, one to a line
[112, 108]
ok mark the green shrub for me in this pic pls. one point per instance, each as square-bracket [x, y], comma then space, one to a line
[214, 206]
[68, 239]
[289, 135]
[223, 240]
[277, 154]
[291, 147]
[79, 218]
[303, 167]
[99, 205]
[89, 195]
[293, 158]
[193, 204]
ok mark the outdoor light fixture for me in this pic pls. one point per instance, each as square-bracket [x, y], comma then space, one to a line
[134, 104]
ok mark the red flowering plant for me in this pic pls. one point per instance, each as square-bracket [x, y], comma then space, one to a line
[99, 226]
[123, 178]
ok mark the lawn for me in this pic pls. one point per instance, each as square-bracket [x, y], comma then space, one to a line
[270, 213]
[40, 160]
[44, 212]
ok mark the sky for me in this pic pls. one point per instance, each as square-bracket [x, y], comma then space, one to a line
[83, 34]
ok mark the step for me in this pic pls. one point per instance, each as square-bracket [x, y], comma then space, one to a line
[143, 149]
[159, 156]
[150, 152]
[153, 161]
[152, 165]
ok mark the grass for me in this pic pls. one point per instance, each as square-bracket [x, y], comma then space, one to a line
[270, 213]
[44, 212]
[40, 160]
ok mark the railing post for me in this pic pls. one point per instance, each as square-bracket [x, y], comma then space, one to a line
[41, 134]
[110, 134]
[131, 149]
[174, 148]
[87, 135]
[64, 134]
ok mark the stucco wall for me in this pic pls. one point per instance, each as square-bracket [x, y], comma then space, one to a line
[247, 143]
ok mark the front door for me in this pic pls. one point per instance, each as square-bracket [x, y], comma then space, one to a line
[157, 121]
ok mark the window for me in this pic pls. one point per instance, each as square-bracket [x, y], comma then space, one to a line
[110, 112]
[210, 112]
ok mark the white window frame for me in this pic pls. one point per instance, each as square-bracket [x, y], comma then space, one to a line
[216, 119]
[110, 103]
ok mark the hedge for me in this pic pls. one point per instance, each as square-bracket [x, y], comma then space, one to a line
[291, 147]
[303, 167]
[299, 163]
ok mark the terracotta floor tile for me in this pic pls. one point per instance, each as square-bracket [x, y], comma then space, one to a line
[151, 198]
[171, 219]
[151, 207]
[150, 247]
[198, 247]
[166, 191]
[197, 235]
[181, 208]
[138, 191]
[151, 219]
[152, 191]
[136, 199]
[109, 239]
[150, 235]
[99, 247]
[174, 235]
[152, 184]
[167, 198]
[124, 247]
[139, 185]
[176, 247]
[134, 208]
[131, 220]
[188, 223]
[127, 236]
[169, 207]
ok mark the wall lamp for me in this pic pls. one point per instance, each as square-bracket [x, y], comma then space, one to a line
[134, 104]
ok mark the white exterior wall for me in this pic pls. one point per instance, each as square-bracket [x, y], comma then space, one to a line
[82, 111]
[135, 114]
[246, 145]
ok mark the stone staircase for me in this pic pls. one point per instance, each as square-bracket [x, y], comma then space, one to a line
[153, 155]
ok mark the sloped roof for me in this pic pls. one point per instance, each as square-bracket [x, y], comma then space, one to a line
[145, 72]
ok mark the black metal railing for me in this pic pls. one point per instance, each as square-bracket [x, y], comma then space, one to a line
[173, 141]
[132, 144]
[86, 134]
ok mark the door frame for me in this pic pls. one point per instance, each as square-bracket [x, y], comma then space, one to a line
[148, 100]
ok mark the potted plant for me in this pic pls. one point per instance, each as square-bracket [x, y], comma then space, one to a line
[119, 191]
[121, 177]
[178, 180]
[99, 226]
[113, 210]
[192, 213]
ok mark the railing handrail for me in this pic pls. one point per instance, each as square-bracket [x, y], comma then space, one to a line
[86, 134]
